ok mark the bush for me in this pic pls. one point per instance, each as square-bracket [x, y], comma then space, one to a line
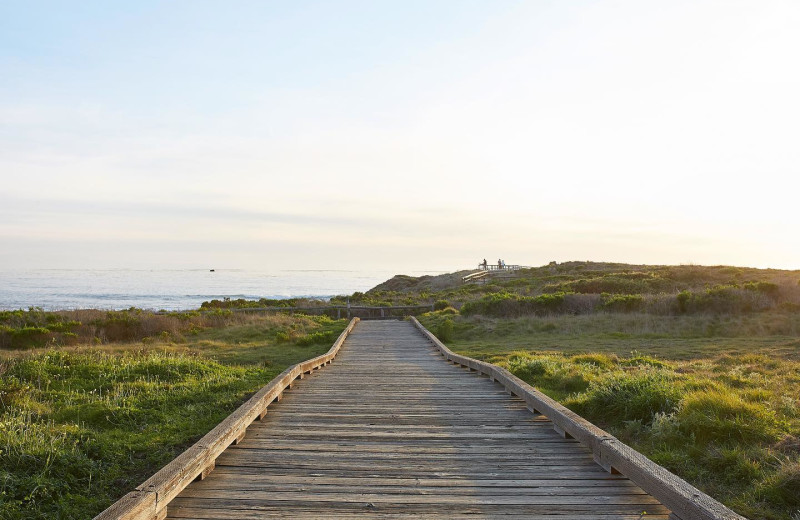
[720, 299]
[445, 330]
[615, 283]
[317, 338]
[441, 305]
[503, 304]
[768, 288]
[30, 337]
[622, 302]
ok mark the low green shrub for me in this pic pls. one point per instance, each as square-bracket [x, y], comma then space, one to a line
[317, 338]
[504, 304]
[441, 305]
[622, 302]
[30, 337]
[445, 330]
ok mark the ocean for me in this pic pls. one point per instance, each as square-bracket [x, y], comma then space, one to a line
[178, 289]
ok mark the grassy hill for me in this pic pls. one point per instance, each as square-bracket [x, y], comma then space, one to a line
[583, 287]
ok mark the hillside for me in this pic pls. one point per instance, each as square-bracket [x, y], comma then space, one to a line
[586, 287]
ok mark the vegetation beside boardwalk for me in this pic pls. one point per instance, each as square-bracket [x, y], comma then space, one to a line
[715, 399]
[83, 424]
[696, 367]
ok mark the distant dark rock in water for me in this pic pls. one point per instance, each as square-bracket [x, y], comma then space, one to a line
[211, 270]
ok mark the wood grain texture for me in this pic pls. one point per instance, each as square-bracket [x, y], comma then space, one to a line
[390, 430]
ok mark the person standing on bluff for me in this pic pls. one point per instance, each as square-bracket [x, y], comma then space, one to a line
[499, 264]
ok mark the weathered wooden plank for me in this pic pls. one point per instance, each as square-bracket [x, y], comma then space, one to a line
[441, 509]
[245, 477]
[315, 513]
[239, 497]
[260, 486]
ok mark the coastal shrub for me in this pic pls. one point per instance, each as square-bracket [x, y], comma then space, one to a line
[580, 303]
[683, 298]
[622, 302]
[241, 303]
[441, 305]
[723, 299]
[504, 304]
[34, 328]
[445, 330]
[768, 288]
[317, 338]
[30, 337]
[612, 283]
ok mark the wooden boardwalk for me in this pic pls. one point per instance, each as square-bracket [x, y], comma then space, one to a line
[392, 430]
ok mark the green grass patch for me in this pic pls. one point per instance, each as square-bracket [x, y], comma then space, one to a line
[81, 426]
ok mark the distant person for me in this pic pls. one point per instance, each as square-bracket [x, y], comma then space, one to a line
[485, 264]
[499, 264]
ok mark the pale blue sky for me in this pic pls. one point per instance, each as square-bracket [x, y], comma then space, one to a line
[399, 135]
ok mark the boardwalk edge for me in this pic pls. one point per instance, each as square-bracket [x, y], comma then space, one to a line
[686, 501]
[149, 500]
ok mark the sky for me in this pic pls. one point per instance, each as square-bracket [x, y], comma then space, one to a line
[399, 135]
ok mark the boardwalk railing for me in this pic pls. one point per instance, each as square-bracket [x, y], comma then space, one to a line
[149, 500]
[495, 267]
[686, 501]
[472, 277]
[342, 311]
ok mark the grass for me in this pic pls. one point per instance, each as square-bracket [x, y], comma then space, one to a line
[82, 425]
[714, 399]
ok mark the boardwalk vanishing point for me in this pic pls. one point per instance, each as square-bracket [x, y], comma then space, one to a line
[391, 429]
